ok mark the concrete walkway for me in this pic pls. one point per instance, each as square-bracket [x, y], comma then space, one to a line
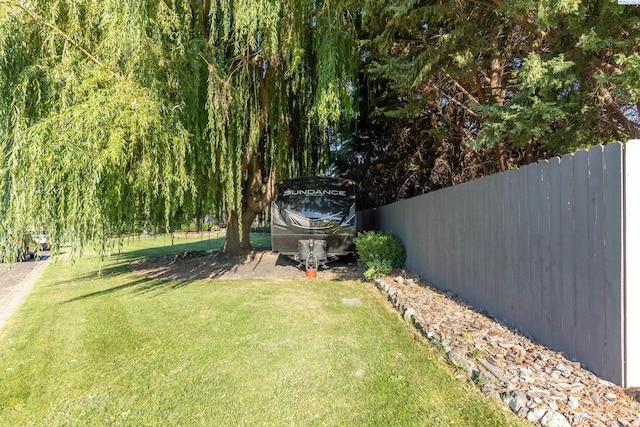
[16, 283]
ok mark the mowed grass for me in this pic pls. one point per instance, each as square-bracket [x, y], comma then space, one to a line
[118, 349]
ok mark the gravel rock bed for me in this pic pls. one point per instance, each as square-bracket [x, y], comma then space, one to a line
[536, 383]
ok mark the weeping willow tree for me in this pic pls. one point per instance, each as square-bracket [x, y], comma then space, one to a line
[280, 74]
[116, 116]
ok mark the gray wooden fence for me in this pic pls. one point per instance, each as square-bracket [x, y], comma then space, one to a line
[549, 248]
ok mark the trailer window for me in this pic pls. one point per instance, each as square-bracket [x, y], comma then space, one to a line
[316, 206]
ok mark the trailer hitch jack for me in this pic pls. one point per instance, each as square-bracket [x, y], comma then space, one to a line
[311, 263]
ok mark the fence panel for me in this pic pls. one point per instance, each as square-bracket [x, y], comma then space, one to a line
[542, 248]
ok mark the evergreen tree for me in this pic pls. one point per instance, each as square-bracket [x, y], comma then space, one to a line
[505, 74]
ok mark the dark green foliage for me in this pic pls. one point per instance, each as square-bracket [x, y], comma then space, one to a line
[520, 73]
[381, 246]
[452, 91]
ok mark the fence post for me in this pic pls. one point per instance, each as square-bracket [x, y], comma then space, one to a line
[632, 263]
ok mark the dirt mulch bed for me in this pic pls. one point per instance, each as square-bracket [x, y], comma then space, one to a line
[259, 264]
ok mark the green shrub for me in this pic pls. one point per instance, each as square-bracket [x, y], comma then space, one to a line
[381, 246]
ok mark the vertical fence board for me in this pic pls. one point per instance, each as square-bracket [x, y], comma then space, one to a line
[597, 322]
[443, 236]
[499, 239]
[522, 253]
[475, 247]
[554, 291]
[462, 231]
[532, 259]
[443, 244]
[519, 241]
[459, 232]
[452, 237]
[494, 248]
[472, 251]
[449, 240]
[428, 218]
[581, 194]
[433, 237]
[465, 241]
[508, 240]
[481, 220]
[544, 251]
[567, 249]
[613, 261]
[407, 216]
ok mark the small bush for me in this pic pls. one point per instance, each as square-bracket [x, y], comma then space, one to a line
[381, 246]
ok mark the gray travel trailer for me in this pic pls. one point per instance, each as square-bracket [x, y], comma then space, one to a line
[314, 218]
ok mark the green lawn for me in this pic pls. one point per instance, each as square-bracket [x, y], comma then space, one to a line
[118, 349]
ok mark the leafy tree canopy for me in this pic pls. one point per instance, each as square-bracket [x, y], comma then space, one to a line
[560, 74]
[453, 90]
[117, 116]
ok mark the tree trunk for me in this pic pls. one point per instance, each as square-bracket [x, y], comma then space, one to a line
[256, 191]
[234, 244]
[500, 157]
[529, 152]
[256, 195]
[498, 94]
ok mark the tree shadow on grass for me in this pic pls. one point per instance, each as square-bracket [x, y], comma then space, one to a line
[170, 268]
[174, 271]
[138, 285]
[259, 264]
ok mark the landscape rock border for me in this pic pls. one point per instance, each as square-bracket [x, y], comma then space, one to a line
[536, 383]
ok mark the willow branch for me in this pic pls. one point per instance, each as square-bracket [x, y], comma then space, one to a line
[41, 21]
